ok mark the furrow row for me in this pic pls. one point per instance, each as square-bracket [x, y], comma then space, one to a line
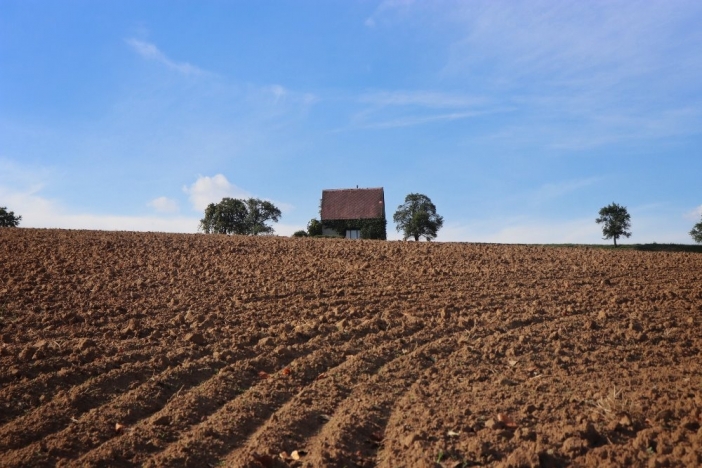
[191, 407]
[229, 427]
[68, 405]
[356, 432]
[305, 415]
[31, 393]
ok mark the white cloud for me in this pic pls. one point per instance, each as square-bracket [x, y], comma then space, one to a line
[524, 231]
[694, 215]
[208, 190]
[648, 225]
[287, 230]
[164, 205]
[41, 212]
[151, 52]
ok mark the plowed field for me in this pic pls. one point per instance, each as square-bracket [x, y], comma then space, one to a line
[129, 349]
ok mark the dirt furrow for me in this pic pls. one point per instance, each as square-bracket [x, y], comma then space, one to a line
[357, 429]
[231, 425]
[195, 405]
[57, 414]
[307, 412]
[29, 394]
[206, 442]
[115, 418]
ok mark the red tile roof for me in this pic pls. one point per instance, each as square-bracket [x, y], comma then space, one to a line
[366, 203]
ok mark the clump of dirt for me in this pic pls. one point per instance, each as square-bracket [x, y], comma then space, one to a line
[193, 350]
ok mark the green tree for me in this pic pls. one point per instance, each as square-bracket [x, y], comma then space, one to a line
[314, 227]
[8, 218]
[616, 222]
[696, 233]
[244, 217]
[260, 212]
[225, 217]
[417, 217]
[300, 233]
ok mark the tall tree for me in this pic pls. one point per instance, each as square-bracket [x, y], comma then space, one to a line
[417, 217]
[260, 212]
[696, 233]
[225, 217]
[8, 218]
[244, 217]
[616, 222]
[234, 216]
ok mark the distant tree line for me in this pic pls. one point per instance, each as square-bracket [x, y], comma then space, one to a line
[415, 218]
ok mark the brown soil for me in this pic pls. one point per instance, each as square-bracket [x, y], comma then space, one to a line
[124, 349]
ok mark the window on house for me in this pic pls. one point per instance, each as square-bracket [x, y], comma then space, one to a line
[353, 234]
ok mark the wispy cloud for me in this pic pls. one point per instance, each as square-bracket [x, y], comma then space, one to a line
[383, 7]
[427, 99]
[579, 75]
[405, 108]
[558, 189]
[418, 120]
[150, 52]
[581, 42]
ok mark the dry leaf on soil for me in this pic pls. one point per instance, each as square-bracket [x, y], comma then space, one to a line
[506, 420]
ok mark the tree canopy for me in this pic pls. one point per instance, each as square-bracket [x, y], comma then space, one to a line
[244, 217]
[616, 222]
[696, 233]
[8, 218]
[417, 217]
[314, 227]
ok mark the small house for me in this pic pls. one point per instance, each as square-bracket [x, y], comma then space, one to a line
[354, 213]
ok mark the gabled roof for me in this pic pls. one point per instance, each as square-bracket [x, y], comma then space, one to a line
[366, 203]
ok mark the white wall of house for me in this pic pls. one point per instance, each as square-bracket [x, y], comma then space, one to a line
[329, 232]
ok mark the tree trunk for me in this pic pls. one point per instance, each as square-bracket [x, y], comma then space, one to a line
[416, 237]
[615, 242]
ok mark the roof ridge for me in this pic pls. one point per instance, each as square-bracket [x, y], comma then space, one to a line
[343, 189]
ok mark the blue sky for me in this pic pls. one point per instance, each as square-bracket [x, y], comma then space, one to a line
[519, 119]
